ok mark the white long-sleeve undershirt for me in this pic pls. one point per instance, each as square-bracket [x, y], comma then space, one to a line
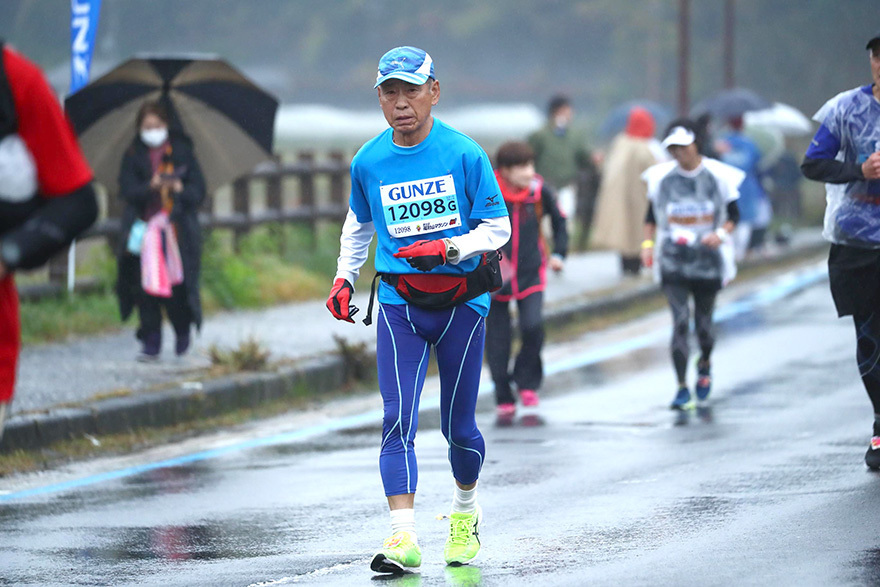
[354, 244]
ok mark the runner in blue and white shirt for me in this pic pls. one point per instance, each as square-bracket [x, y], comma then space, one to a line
[845, 154]
[429, 194]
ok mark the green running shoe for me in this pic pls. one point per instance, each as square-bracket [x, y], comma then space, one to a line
[463, 542]
[400, 554]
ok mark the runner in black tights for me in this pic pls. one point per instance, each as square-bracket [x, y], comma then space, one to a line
[691, 214]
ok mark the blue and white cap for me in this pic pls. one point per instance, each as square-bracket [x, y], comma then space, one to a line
[409, 64]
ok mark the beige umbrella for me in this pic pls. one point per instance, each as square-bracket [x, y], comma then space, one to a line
[229, 119]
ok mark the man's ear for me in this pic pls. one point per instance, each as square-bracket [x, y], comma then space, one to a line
[435, 92]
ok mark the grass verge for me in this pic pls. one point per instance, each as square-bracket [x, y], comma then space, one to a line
[275, 264]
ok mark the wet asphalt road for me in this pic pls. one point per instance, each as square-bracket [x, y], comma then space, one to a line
[601, 485]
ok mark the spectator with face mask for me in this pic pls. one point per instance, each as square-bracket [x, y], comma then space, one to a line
[564, 161]
[161, 185]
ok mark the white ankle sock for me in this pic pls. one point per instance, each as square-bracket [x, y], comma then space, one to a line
[403, 520]
[464, 501]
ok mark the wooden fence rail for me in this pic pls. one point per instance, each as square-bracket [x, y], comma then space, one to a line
[320, 195]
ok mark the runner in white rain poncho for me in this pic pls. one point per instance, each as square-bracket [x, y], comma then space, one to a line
[849, 133]
[845, 154]
[687, 240]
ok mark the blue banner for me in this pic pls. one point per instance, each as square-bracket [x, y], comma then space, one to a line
[83, 25]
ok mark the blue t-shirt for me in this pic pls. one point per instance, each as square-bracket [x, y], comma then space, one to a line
[745, 155]
[437, 189]
[850, 131]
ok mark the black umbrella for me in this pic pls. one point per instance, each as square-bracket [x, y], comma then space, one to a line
[730, 103]
[229, 119]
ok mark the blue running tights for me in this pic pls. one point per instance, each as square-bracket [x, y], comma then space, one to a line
[405, 335]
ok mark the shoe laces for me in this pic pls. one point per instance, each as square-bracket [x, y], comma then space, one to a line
[459, 530]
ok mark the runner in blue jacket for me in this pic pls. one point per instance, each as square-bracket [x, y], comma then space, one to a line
[429, 194]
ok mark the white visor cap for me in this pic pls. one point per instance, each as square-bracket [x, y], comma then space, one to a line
[680, 136]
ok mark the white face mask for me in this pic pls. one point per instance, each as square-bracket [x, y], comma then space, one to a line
[154, 137]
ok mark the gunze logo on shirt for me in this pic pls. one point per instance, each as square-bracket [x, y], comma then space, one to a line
[420, 206]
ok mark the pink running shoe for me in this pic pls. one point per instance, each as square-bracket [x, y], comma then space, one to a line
[528, 397]
[505, 410]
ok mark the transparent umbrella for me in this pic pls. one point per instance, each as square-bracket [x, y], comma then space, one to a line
[786, 119]
[770, 143]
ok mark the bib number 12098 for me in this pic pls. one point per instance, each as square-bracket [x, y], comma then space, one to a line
[423, 209]
[420, 206]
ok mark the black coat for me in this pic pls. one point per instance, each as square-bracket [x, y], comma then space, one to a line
[136, 195]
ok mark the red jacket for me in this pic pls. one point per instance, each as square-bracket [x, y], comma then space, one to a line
[34, 114]
[524, 257]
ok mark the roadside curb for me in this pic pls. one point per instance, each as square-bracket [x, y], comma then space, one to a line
[185, 403]
[314, 377]
[619, 300]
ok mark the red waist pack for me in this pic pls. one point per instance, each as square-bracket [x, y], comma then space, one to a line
[437, 291]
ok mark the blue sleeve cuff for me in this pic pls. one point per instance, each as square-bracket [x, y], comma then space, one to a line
[824, 145]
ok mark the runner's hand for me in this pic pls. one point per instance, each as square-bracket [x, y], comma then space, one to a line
[871, 167]
[711, 240]
[339, 302]
[647, 255]
[424, 255]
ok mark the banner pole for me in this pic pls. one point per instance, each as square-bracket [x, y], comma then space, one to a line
[83, 27]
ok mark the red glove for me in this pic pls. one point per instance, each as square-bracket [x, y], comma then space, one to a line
[339, 302]
[424, 255]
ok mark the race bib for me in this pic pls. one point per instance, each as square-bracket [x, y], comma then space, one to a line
[691, 217]
[419, 207]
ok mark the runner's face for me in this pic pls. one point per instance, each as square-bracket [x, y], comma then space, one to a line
[875, 64]
[519, 176]
[688, 156]
[407, 108]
